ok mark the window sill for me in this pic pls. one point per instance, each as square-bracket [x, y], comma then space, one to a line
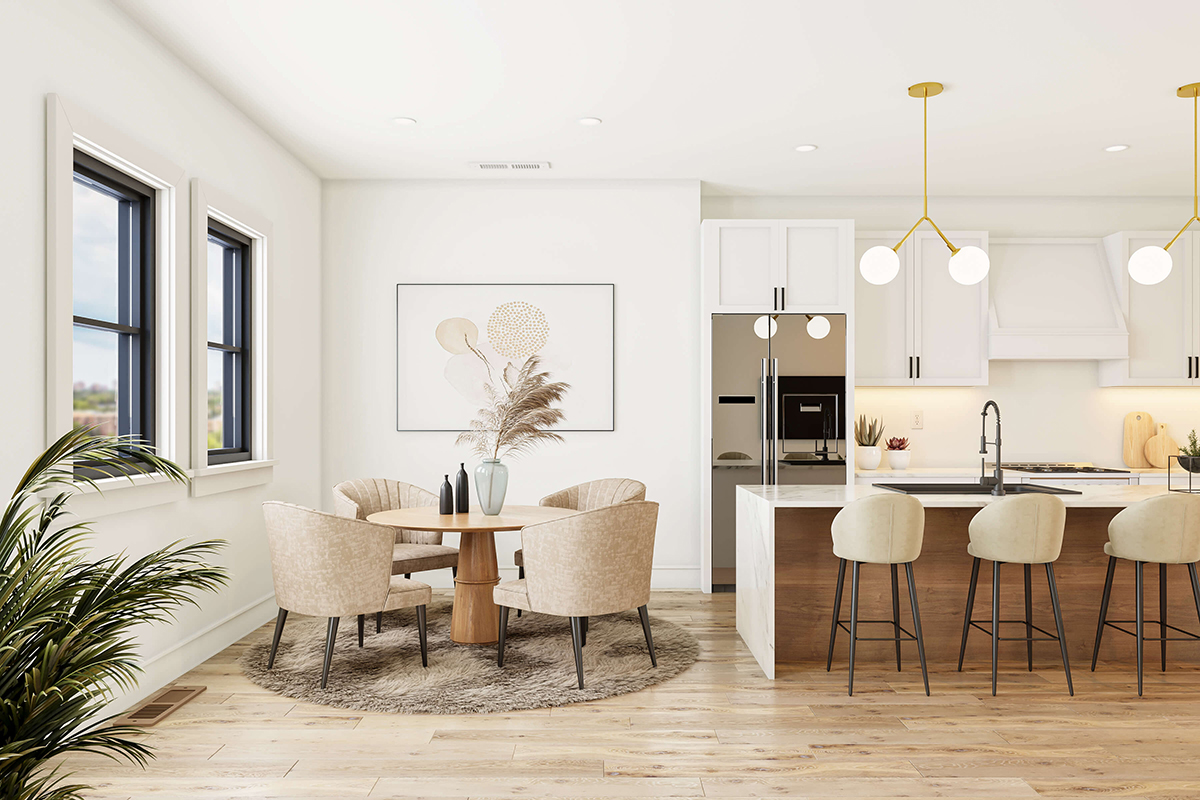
[117, 495]
[231, 477]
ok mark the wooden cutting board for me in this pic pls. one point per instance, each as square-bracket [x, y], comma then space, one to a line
[1139, 429]
[1159, 447]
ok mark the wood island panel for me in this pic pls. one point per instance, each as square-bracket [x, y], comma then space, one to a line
[806, 577]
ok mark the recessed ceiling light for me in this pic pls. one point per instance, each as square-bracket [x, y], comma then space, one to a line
[1116, 148]
[404, 121]
[590, 121]
[806, 148]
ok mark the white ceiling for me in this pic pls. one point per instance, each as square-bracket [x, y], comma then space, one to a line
[719, 90]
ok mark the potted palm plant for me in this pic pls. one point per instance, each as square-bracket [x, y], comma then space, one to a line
[866, 437]
[514, 421]
[898, 454]
[67, 618]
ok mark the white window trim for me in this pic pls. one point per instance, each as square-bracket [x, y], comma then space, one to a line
[70, 128]
[210, 203]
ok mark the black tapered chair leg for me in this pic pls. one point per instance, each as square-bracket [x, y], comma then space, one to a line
[645, 616]
[1140, 621]
[280, 619]
[995, 620]
[1195, 588]
[583, 628]
[837, 611]
[916, 615]
[378, 621]
[853, 623]
[1162, 612]
[1029, 614]
[362, 619]
[503, 636]
[1108, 582]
[896, 611]
[330, 637]
[454, 573]
[408, 576]
[577, 641]
[421, 632]
[520, 576]
[1058, 626]
[962, 650]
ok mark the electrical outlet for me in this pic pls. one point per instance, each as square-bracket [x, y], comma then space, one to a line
[918, 420]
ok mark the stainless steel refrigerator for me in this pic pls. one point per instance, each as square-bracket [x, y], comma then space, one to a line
[778, 412]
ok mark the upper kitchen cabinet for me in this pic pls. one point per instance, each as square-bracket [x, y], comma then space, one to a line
[922, 328]
[1163, 319]
[778, 265]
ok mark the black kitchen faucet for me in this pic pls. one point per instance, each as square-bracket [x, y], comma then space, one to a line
[997, 481]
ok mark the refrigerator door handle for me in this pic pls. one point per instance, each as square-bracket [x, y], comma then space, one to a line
[774, 421]
[762, 422]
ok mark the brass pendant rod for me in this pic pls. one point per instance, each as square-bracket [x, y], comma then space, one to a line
[1195, 169]
[925, 175]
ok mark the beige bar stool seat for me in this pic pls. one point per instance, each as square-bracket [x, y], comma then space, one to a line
[1019, 529]
[880, 529]
[1162, 530]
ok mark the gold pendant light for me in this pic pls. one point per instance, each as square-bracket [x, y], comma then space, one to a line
[968, 265]
[1152, 264]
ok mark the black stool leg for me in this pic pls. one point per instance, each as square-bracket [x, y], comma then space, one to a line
[837, 610]
[1058, 625]
[1029, 614]
[645, 616]
[330, 637]
[995, 621]
[577, 641]
[853, 623]
[896, 612]
[378, 621]
[503, 634]
[1162, 611]
[1195, 588]
[281, 618]
[916, 614]
[583, 627]
[362, 618]
[1108, 582]
[1141, 622]
[962, 650]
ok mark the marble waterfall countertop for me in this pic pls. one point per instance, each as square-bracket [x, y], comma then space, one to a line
[1116, 496]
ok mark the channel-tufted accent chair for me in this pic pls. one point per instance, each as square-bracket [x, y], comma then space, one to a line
[585, 565]
[329, 566]
[414, 551]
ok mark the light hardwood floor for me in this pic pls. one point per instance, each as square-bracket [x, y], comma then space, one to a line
[719, 730]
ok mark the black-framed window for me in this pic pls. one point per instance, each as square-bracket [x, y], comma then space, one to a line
[112, 287]
[229, 384]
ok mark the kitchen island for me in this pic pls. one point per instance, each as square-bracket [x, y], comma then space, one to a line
[786, 575]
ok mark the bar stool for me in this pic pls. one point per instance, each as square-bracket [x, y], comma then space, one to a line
[1020, 529]
[880, 529]
[1162, 530]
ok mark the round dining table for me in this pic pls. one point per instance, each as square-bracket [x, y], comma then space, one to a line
[475, 618]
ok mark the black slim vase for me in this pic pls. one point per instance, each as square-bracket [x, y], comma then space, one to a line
[446, 504]
[462, 491]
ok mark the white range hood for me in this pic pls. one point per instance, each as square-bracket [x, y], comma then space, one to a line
[1054, 300]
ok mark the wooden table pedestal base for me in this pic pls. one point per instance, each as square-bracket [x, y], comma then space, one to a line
[475, 619]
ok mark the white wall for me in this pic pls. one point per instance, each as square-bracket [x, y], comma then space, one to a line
[641, 236]
[1052, 410]
[93, 56]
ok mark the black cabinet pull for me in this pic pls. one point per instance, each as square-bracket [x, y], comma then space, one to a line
[910, 366]
[1189, 367]
[775, 299]
[918, 366]
[782, 298]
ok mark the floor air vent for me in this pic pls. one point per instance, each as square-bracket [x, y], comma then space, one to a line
[158, 707]
[510, 166]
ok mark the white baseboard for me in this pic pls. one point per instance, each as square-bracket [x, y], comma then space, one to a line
[163, 668]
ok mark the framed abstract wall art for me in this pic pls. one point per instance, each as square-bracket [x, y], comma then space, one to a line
[453, 340]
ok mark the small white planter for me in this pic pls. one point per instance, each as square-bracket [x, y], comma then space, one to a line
[898, 459]
[867, 457]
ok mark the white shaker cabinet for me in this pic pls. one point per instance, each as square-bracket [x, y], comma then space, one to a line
[1163, 319]
[778, 265]
[922, 328]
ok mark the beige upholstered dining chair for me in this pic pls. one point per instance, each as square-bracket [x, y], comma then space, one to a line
[585, 565]
[414, 551]
[329, 566]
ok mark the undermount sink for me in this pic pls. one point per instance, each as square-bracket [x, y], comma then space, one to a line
[972, 488]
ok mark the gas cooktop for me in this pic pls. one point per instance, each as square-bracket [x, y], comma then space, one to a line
[1062, 467]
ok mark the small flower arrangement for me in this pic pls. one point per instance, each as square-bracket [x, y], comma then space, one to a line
[897, 443]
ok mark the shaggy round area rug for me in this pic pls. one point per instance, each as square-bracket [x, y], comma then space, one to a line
[539, 663]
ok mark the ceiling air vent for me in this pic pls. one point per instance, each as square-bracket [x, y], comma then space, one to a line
[510, 166]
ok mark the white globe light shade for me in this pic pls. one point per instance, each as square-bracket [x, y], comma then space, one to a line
[879, 265]
[969, 265]
[1150, 265]
[765, 327]
[818, 327]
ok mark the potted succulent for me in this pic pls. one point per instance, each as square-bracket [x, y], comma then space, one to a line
[866, 437]
[898, 453]
[1189, 454]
